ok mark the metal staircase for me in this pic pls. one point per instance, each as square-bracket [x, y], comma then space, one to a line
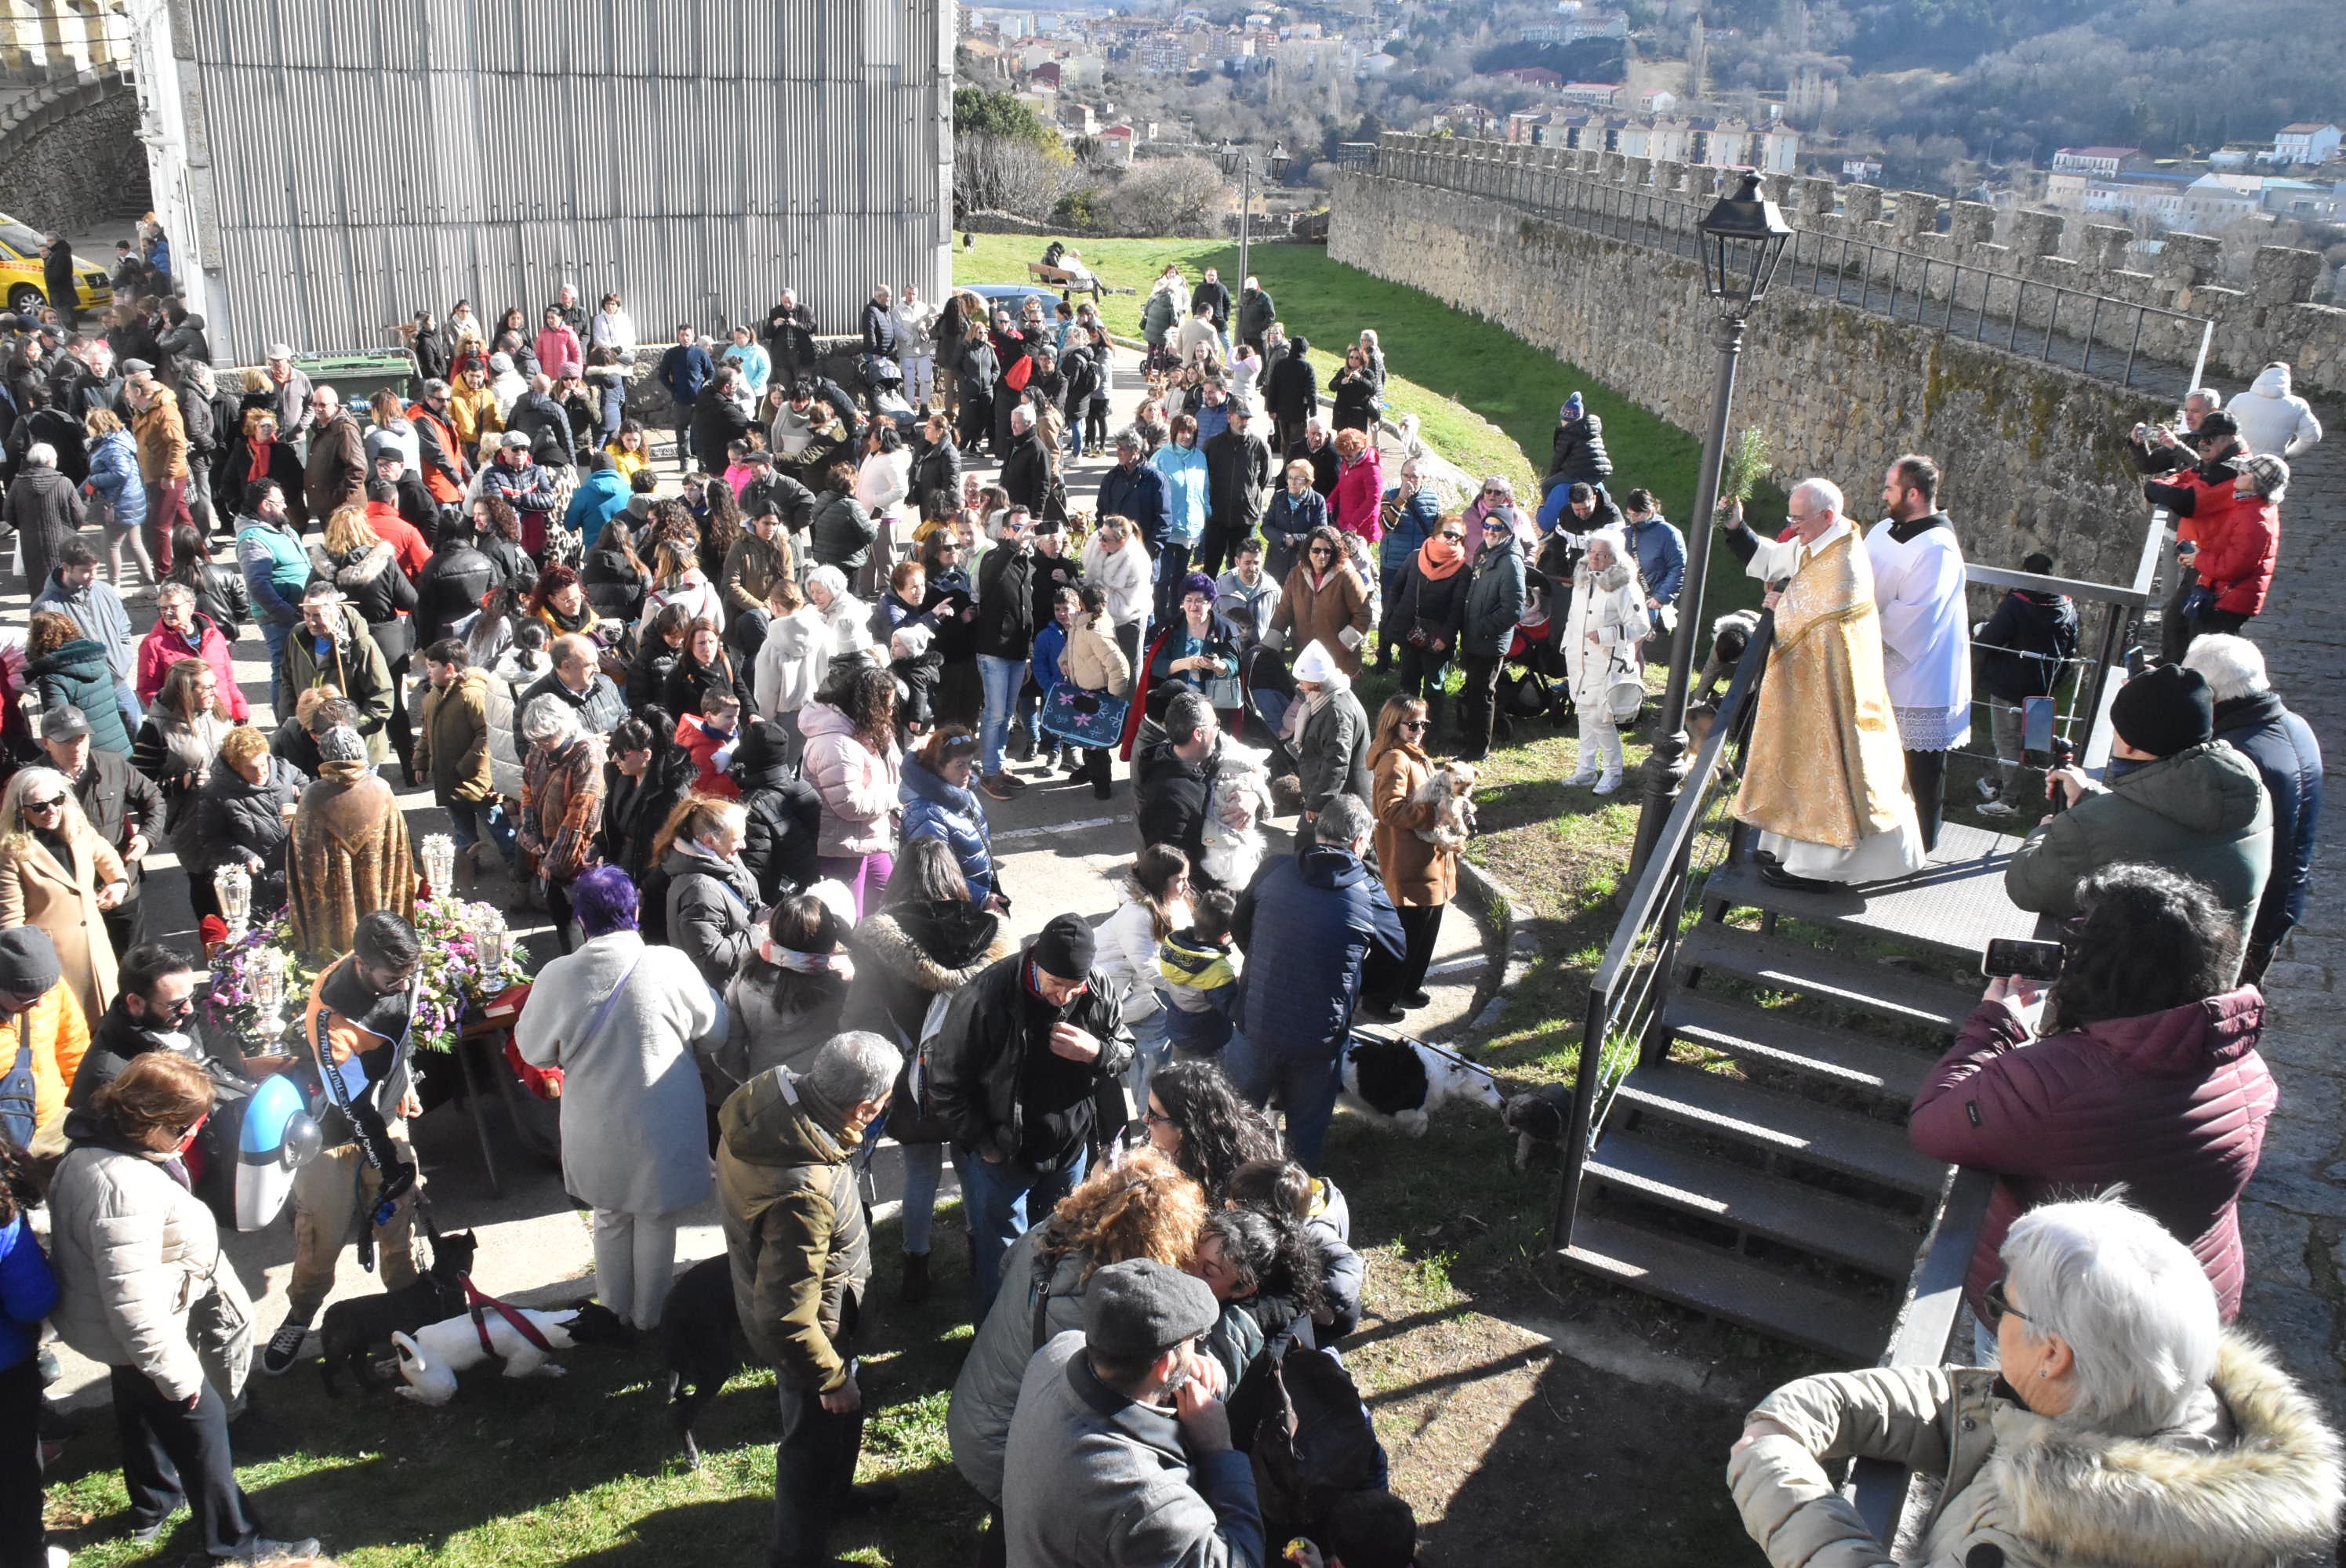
[1754, 1164]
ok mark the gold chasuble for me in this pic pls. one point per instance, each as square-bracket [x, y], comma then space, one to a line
[1824, 773]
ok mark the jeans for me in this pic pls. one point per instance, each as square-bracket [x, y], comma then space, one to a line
[277, 636]
[924, 1170]
[2009, 721]
[467, 817]
[1152, 1047]
[172, 1454]
[1000, 1201]
[1305, 1085]
[1002, 678]
[635, 1263]
[1172, 565]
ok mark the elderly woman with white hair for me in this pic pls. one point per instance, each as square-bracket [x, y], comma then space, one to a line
[45, 509]
[2126, 1426]
[1602, 629]
[561, 802]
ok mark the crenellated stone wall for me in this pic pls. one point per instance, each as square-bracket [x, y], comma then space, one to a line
[2032, 450]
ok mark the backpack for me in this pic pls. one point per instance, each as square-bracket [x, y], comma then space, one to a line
[912, 1116]
[1313, 1443]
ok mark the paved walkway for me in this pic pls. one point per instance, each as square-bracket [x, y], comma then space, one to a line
[1059, 849]
[2294, 1217]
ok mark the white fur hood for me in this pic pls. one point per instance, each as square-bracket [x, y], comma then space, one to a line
[2271, 1494]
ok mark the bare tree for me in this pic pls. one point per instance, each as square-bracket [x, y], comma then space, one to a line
[1007, 174]
[1169, 196]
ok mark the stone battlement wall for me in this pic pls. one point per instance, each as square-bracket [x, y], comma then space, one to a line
[2032, 451]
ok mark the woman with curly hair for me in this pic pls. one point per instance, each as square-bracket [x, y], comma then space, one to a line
[559, 600]
[852, 760]
[1143, 1207]
[1200, 1123]
[498, 528]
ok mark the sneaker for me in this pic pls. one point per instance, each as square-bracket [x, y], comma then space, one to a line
[998, 785]
[1583, 779]
[1609, 783]
[1417, 999]
[1987, 788]
[1999, 809]
[284, 1348]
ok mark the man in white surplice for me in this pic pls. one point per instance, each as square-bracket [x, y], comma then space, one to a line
[1926, 639]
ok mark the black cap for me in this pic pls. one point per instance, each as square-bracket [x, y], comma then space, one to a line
[2164, 711]
[1144, 1307]
[66, 723]
[1063, 949]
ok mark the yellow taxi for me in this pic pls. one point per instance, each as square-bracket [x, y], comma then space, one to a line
[24, 288]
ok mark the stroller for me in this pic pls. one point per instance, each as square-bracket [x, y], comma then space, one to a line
[1531, 683]
[1269, 693]
[883, 391]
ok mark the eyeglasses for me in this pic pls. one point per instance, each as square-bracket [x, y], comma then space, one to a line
[1155, 1120]
[43, 807]
[1996, 1304]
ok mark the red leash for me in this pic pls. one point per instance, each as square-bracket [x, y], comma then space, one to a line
[475, 1300]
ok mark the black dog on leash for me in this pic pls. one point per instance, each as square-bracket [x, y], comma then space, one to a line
[356, 1331]
[701, 1331]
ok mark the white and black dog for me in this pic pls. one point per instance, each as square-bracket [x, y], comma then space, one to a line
[1539, 1118]
[1401, 1082]
[432, 1357]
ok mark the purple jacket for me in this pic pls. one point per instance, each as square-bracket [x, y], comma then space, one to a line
[2172, 1104]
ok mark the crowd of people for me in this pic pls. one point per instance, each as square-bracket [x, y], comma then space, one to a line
[734, 728]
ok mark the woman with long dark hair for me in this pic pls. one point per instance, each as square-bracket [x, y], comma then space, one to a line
[1154, 890]
[1420, 877]
[1199, 1121]
[786, 998]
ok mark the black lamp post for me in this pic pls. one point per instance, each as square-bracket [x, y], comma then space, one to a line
[1742, 240]
[1240, 161]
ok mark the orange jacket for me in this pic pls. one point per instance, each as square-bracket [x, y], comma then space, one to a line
[60, 1038]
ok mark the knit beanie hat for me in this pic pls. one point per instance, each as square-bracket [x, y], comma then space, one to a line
[1571, 408]
[1065, 948]
[1313, 664]
[28, 960]
[341, 744]
[2164, 711]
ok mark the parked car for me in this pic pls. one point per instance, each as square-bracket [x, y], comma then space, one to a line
[22, 283]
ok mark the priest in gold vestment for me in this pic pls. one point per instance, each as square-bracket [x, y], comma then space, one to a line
[1824, 781]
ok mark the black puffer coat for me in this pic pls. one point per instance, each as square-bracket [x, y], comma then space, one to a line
[234, 819]
[785, 813]
[712, 908]
[372, 582]
[452, 587]
[1580, 457]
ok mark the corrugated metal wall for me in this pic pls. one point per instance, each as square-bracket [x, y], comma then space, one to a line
[366, 159]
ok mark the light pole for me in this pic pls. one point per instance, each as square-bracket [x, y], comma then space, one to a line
[1742, 238]
[1240, 161]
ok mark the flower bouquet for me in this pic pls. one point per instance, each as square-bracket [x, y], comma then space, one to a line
[468, 959]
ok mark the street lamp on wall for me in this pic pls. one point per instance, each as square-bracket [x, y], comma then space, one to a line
[1240, 161]
[1743, 237]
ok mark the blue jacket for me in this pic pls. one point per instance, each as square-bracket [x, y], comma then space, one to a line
[28, 1292]
[1212, 420]
[2288, 759]
[114, 474]
[936, 809]
[1661, 555]
[685, 370]
[1138, 493]
[1049, 644]
[276, 569]
[1408, 529]
[603, 496]
[1322, 913]
[1184, 468]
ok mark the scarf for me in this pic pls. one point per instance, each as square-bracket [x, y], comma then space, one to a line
[577, 623]
[260, 452]
[797, 962]
[1438, 557]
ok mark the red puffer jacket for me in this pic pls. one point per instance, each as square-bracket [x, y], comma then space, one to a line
[2172, 1104]
[2238, 547]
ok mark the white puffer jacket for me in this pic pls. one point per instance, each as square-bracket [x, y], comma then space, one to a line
[1618, 615]
[134, 1251]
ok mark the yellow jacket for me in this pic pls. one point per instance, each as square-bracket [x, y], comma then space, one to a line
[60, 1038]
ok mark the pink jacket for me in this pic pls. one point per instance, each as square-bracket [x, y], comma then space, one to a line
[858, 787]
[2172, 1104]
[558, 353]
[1356, 504]
[163, 647]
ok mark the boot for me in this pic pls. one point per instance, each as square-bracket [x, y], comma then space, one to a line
[1589, 772]
[915, 1286]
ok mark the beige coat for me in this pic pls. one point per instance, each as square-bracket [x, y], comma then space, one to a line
[2265, 1489]
[34, 890]
[1093, 661]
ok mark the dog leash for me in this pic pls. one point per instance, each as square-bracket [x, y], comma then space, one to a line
[479, 1304]
[1447, 1055]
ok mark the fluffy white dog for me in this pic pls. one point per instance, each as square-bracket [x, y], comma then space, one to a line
[1234, 854]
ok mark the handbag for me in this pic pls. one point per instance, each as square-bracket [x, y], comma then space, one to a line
[1089, 719]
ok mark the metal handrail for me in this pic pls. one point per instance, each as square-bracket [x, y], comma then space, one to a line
[1830, 264]
[1628, 988]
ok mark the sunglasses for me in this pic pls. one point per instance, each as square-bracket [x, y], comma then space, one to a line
[1452, 537]
[1322, 550]
[56, 803]
[1996, 1304]
[1414, 724]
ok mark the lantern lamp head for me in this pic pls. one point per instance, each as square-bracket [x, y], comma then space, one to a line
[1742, 238]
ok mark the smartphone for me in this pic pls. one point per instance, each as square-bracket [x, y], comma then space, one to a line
[2037, 961]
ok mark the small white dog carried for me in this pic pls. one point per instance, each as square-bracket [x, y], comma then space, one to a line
[1234, 854]
[1449, 790]
[431, 1359]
